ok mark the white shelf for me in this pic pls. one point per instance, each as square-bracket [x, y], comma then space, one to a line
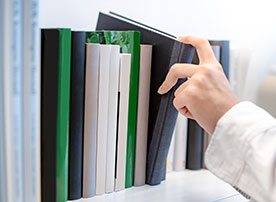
[185, 186]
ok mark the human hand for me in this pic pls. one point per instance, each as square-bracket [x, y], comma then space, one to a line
[206, 95]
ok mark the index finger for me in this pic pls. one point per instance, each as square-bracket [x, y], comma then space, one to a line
[176, 72]
[203, 48]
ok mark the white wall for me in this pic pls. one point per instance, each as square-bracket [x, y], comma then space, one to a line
[247, 23]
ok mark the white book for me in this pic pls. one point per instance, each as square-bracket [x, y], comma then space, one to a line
[90, 120]
[125, 62]
[239, 63]
[105, 51]
[233, 65]
[112, 117]
[180, 143]
[171, 154]
[13, 99]
[31, 100]
[2, 131]
[142, 115]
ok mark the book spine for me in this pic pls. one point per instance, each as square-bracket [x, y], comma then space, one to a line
[125, 66]
[102, 117]
[2, 130]
[76, 115]
[112, 117]
[165, 122]
[142, 115]
[90, 119]
[31, 101]
[63, 115]
[13, 99]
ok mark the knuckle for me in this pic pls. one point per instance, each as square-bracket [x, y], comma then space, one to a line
[191, 93]
[175, 103]
[206, 71]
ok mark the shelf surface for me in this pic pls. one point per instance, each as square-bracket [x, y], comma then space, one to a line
[190, 186]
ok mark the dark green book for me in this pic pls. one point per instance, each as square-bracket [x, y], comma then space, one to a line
[129, 42]
[55, 98]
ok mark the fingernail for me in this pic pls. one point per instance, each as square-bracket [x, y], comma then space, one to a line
[160, 90]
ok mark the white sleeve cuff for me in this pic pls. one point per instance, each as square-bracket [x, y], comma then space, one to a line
[231, 145]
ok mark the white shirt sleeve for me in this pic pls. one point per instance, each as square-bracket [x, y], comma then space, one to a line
[242, 151]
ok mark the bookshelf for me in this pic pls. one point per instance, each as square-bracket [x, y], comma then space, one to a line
[191, 186]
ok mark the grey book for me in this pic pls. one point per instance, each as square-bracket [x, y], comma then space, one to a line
[90, 119]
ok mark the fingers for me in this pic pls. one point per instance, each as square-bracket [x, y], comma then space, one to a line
[177, 71]
[180, 103]
[186, 112]
[203, 48]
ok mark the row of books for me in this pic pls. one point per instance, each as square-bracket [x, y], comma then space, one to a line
[79, 111]
[104, 121]
[45, 103]
[89, 118]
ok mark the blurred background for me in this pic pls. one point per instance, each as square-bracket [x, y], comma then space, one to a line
[249, 25]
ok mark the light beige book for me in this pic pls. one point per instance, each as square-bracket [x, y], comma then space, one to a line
[142, 115]
[105, 51]
[90, 120]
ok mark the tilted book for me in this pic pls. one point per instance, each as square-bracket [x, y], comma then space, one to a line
[162, 114]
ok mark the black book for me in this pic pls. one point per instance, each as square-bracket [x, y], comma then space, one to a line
[55, 102]
[162, 114]
[76, 115]
[49, 99]
[194, 139]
